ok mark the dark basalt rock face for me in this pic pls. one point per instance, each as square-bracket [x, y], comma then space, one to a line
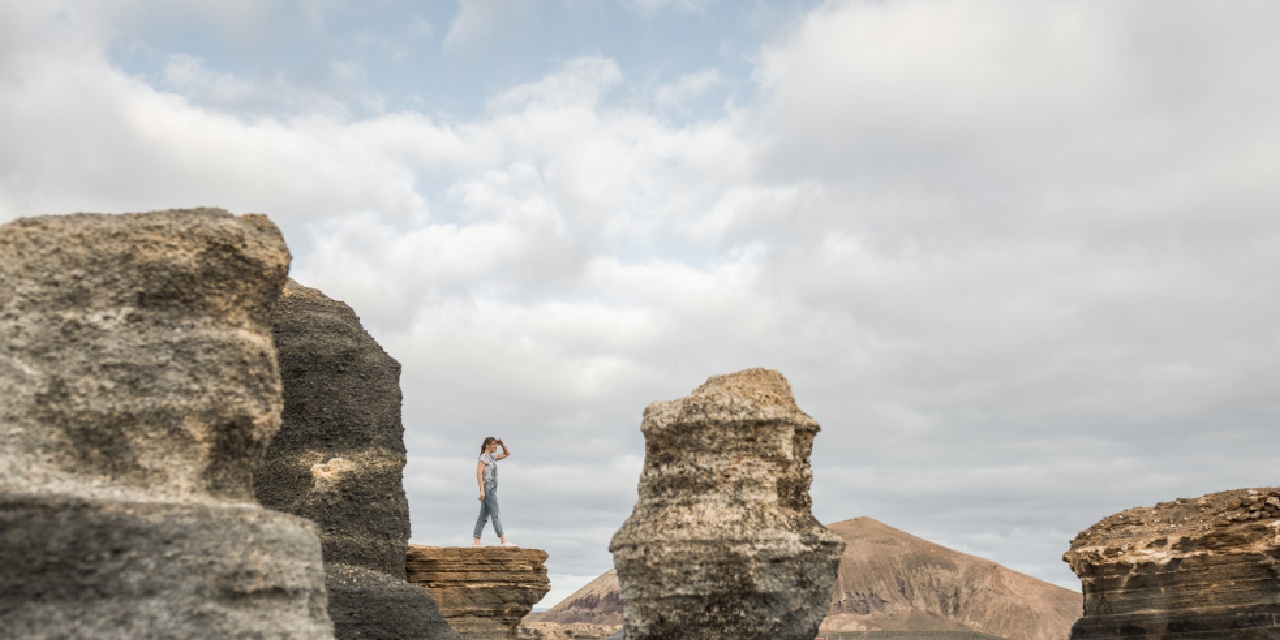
[1203, 568]
[722, 543]
[339, 460]
[139, 391]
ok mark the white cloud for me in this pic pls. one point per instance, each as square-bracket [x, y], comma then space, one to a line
[476, 20]
[651, 7]
[686, 89]
[580, 83]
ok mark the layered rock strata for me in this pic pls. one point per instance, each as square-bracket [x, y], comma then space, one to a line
[1201, 568]
[139, 390]
[484, 592]
[339, 461]
[722, 542]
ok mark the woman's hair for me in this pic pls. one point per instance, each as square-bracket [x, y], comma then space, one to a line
[487, 442]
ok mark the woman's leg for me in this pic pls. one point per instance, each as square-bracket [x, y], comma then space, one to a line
[484, 515]
[491, 504]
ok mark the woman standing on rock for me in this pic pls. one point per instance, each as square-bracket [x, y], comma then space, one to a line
[487, 478]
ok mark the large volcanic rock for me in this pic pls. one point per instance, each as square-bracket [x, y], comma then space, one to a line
[890, 582]
[722, 543]
[1205, 568]
[339, 460]
[483, 591]
[139, 391]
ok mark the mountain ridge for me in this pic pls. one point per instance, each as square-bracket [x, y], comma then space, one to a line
[891, 580]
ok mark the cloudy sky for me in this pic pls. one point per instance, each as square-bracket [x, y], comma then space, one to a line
[1019, 258]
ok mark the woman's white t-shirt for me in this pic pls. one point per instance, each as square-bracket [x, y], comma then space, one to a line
[490, 473]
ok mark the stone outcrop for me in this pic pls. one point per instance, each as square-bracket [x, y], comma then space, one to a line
[722, 542]
[139, 390]
[339, 460]
[484, 592]
[1201, 568]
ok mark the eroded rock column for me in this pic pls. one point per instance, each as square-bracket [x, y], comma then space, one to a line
[339, 461]
[722, 542]
[1206, 568]
[139, 390]
[484, 592]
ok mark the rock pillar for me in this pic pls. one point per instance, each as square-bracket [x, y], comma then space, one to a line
[484, 592]
[339, 460]
[1207, 568]
[139, 390]
[722, 542]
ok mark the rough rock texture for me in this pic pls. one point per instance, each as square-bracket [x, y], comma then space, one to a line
[139, 391]
[1193, 568]
[890, 580]
[339, 460]
[722, 543]
[484, 592]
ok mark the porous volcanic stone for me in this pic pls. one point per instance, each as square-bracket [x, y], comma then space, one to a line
[339, 456]
[339, 459]
[722, 542]
[140, 390]
[484, 592]
[1205, 568]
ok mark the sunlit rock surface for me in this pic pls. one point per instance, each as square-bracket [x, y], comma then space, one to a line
[1204, 568]
[484, 592]
[722, 542]
[339, 460]
[140, 389]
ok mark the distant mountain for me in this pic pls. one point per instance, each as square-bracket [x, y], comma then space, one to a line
[891, 583]
[890, 580]
[595, 603]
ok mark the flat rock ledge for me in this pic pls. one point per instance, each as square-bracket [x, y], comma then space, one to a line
[1206, 568]
[484, 592]
[722, 543]
[138, 391]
